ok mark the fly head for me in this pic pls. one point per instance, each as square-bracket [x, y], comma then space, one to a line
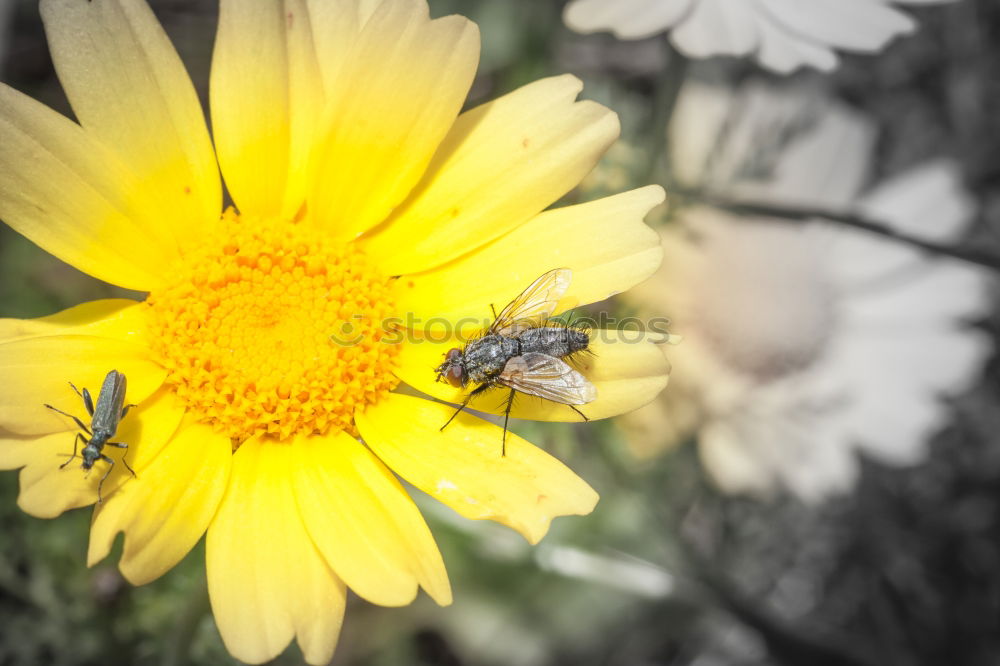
[453, 368]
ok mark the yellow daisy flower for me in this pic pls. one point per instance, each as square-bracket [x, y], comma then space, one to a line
[361, 195]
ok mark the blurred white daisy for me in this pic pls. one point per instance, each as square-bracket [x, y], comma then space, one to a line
[806, 341]
[782, 35]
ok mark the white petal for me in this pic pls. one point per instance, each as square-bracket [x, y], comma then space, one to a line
[897, 431]
[899, 382]
[818, 460]
[928, 201]
[895, 383]
[717, 27]
[951, 361]
[857, 260]
[772, 144]
[695, 126]
[929, 294]
[828, 165]
[627, 19]
[748, 136]
[784, 52]
[860, 25]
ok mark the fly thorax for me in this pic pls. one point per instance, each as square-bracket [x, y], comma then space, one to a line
[486, 357]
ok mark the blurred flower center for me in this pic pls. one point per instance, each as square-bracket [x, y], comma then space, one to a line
[763, 302]
[271, 329]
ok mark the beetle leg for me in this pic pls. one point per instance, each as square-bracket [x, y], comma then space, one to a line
[111, 466]
[125, 410]
[76, 442]
[88, 402]
[78, 421]
[120, 445]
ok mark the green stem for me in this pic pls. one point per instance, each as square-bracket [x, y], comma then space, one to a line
[972, 255]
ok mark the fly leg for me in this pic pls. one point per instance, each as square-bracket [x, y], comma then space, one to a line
[506, 417]
[78, 421]
[76, 442]
[578, 412]
[465, 403]
[120, 445]
[460, 408]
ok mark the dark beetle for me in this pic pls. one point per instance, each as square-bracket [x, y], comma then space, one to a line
[104, 418]
[519, 351]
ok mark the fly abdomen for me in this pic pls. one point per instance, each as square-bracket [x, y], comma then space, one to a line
[558, 341]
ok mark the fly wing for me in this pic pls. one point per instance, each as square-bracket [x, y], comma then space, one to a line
[547, 377]
[535, 303]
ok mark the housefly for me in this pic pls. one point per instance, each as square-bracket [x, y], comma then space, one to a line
[104, 418]
[523, 352]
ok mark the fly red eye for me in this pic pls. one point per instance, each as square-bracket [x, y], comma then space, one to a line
[454, 376]
[453, 354]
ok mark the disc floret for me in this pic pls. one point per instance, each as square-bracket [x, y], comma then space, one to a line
[272, 329]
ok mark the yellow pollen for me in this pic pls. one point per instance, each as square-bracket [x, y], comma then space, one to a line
[270, 329]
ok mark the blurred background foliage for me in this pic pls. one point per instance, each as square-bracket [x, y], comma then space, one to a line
[903, 570]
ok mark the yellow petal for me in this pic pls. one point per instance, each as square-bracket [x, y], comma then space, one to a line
[626, 367]
[365, 524]
[267, 96]
[129, 89]
[16, 451]
[73, 197]
[501, 164]
[47, 489]
[38, 370]
[391, 105]
[462, 466]
[166, 509]
[267, 581]
[603, 242]
[335, 28]
[117, 318]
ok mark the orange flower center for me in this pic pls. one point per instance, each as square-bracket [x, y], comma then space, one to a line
[272, 329]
